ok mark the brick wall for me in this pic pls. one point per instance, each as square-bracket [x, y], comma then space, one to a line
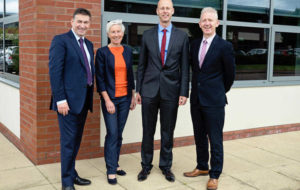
[39, 21]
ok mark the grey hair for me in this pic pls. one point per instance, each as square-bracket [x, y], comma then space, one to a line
[115, 22]
[209, 10]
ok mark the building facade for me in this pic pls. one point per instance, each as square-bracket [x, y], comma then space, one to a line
[264, 99]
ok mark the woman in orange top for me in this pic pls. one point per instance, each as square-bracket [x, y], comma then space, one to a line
[115, 84]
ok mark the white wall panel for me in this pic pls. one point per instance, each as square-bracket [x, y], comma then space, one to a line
[10, 108]
[248, 108]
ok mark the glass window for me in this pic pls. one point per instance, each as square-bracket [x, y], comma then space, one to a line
[287, 12]
[11, 51]
[1, 8]
[249, 10]
[11, 7]
[287, 54]
[1, 48]
[183, 8]
[251, 51]
[134, 32]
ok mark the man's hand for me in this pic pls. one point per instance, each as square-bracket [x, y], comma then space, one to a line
[182, 100]
[63, 108]
[133, 103]
[138, 98]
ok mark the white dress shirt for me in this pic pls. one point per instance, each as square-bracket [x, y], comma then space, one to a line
[209, 40]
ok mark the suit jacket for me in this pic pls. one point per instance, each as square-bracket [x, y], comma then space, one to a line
[67, 72]
[216, 76]
[171, 80]
[105, 70]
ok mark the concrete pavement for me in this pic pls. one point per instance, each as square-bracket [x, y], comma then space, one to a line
[269, 162]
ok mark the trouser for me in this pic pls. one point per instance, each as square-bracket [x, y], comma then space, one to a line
[168, 114]
[208, 124]
[115, 124]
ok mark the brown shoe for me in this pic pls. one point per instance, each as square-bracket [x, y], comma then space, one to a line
[212, 184]
[195, 173]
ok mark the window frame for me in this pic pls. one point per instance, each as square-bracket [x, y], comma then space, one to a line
[269, 81]
[8, 78]
[285, 29]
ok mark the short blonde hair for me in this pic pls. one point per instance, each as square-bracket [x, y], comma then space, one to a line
[209, 10]
[115, 22]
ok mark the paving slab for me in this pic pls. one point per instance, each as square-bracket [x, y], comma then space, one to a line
[261, 157]
[13, 161]
[7, 147]
[21, 178]
[84, 168]
[98, 163]
[231, 183]
[42, 187]
[291, 170]
[233, 164]
[265, 179]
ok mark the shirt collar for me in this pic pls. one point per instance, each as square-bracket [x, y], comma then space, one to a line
[76, 36]
[169, 28]
[209, 40]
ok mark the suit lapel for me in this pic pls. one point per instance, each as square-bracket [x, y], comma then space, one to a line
[91, 52]
[76, 46]
[156, 42]
[197, 54]
[210, 51]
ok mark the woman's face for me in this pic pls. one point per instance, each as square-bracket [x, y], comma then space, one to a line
[115, 34]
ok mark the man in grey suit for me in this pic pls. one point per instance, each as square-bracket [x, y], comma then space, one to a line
[162, 84]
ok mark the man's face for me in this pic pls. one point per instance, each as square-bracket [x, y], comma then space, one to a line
[165, 11]
[208, 23]
[80, 24]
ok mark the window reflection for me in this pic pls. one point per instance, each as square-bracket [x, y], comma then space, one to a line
[134, 32]
[1, 49]
[251, 52]
[11, 7]
[249, 10]
[10, 55]
[287, 54]
[1, 8]
[183, 8]
[287, 12]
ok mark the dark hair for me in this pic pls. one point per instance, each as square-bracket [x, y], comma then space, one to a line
[82, 11]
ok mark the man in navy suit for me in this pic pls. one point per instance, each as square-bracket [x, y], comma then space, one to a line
[213, 66]
[71, 69]
[162, 85]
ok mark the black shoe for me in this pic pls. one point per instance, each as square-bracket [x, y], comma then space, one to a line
[80, 181]
[143, 175]
[112, 181]
[121, 172]
[68, 188]
[169, 175]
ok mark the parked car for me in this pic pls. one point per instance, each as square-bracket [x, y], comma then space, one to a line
[257, 51]
[7, 59]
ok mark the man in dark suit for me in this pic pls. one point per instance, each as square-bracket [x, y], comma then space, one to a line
[213, 66]
[71, 69]
[162, 84]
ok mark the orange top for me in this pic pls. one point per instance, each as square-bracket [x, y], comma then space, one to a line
[120, 71]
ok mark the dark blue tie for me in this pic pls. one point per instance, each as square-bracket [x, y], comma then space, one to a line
[86, 63]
